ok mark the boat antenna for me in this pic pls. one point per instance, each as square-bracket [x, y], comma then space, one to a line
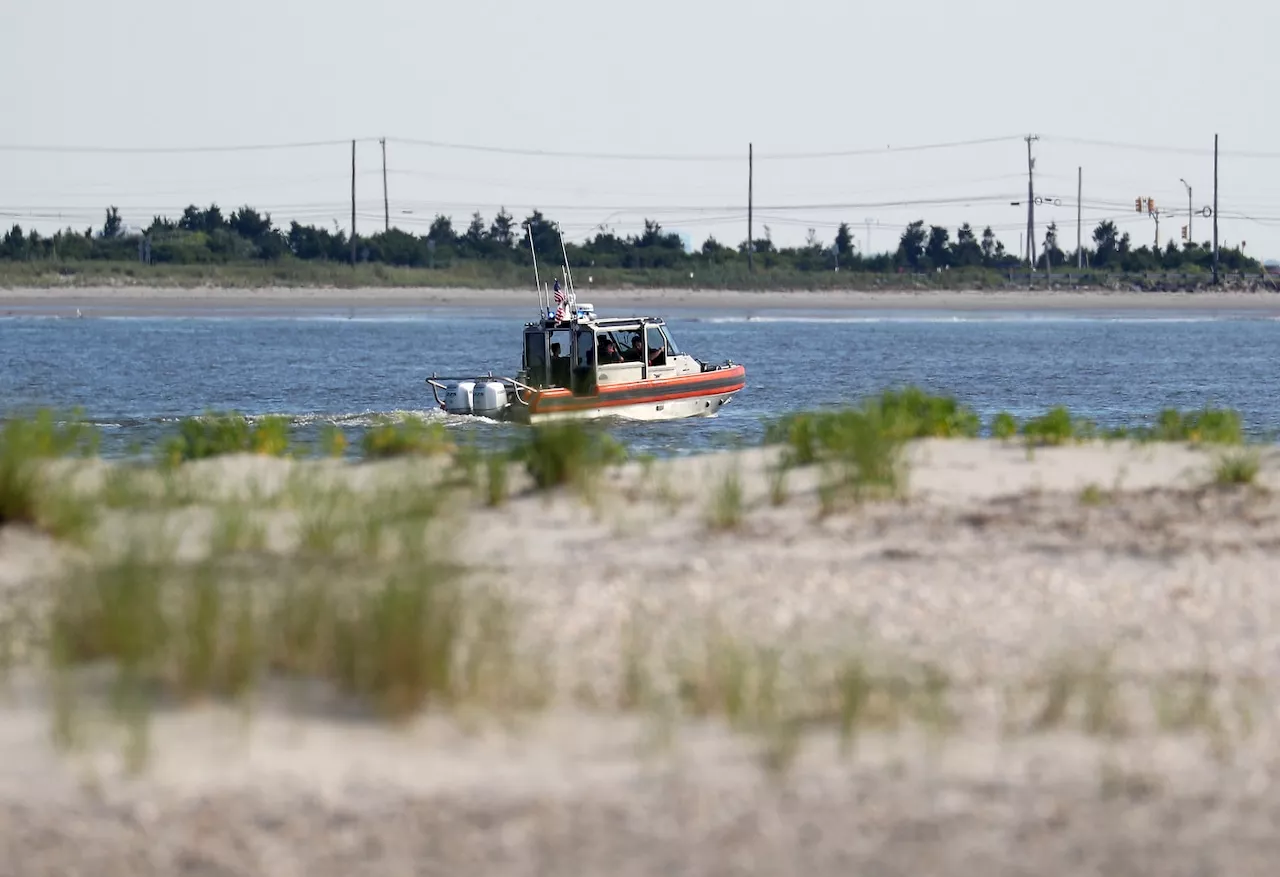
[568, 275]
[537, 285]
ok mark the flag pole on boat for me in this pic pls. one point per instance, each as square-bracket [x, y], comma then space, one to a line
[537, 285]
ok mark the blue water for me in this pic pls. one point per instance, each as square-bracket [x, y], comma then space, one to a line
[135, 376]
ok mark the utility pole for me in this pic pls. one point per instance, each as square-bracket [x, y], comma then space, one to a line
[751, 243]
[1079, 219]
[1031, 210]
[386, 205]
[353, 204]
[1215, 209]
[1190, 211]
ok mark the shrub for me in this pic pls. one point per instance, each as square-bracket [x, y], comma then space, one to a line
[412, 435]
[1055, 427]
[1237, 468]
[913, 413]
[726, 508]
[216, 434]
[1210, 425]
[555, 454]
[26, 494]
[1003, 426]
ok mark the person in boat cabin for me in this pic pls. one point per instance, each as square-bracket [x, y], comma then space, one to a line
[609, 352]
[636, 354]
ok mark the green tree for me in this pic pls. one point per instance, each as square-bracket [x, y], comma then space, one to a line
[988, 246]
[966, 253]
[936, 249]
[250, 224]
[441, 231]
[911, 244]
[397, 247]
[546, 236]
[475, 233]
[502, 232]
[112, 226]
[1106, 244]
[14, 245]
[1051, 253]
[844, 240]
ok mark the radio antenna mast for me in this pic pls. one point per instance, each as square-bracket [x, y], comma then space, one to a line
[568, 275]
[542, 311]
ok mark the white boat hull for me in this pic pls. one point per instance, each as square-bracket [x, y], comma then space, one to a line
[676, 409]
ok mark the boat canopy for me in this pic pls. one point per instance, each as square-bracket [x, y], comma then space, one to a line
[570, 353]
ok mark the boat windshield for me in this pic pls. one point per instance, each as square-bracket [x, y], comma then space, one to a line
[672, 349]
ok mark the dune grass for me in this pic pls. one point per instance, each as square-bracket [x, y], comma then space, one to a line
[1057, 426]
[860, 447]
[569, 453]
[1237, 468]
[726, 508]
[407, 436]
[218, 433]
[360, 592]
[30, 493]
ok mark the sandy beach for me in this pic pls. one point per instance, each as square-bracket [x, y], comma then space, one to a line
[125, 300]
[1013, 574]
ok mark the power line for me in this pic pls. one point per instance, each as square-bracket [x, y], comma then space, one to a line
[617, 156]
[602, 208]
[1149, 147]
[503, 150]
[140, 150]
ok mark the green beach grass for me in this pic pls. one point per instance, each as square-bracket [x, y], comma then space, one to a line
[297, 273]
[359, 589]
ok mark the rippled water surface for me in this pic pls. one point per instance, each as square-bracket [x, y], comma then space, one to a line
[135, 375]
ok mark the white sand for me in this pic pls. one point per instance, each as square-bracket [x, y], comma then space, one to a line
[112, 300]
[992, 567]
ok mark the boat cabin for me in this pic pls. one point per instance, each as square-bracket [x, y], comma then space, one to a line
[581, 354]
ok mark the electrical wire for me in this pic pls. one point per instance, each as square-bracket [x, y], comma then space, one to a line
[737, 157]
[1148, 147]
[155, 150]
[502, 150]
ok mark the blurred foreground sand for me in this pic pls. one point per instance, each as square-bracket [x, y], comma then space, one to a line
[997, 565]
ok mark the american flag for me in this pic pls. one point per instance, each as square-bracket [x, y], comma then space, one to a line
[559, 292]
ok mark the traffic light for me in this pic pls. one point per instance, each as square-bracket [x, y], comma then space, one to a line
[1151, 206]
[1137, 205]
[1184, 232]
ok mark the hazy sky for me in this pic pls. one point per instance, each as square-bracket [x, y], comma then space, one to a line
[692, 78]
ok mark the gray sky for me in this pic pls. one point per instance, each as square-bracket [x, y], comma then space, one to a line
[692, 78]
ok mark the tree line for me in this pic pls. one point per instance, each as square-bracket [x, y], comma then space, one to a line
[207, 236]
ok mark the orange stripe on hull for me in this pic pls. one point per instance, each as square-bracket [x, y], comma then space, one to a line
[669, 389]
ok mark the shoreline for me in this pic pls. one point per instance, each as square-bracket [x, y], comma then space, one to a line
[163, 301]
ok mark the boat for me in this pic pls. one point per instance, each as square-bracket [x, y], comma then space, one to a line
[577, 365]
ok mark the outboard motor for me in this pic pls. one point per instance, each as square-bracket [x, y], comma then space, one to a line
[489, 399]
[457, 397]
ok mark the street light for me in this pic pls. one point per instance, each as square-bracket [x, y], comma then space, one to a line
[1190, 211]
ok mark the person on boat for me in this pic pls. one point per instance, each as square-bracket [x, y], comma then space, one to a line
[609, 352]
[637, 351]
